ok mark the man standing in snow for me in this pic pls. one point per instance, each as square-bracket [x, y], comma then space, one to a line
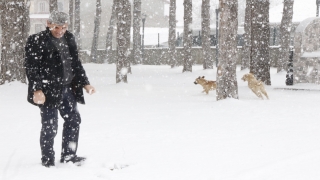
[56, 81]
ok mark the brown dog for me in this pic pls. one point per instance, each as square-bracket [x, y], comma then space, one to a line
[256, 86]
[207, 85]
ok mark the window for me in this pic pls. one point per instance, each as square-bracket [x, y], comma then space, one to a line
[38, 28]
[166, 9]
[60, 6]
[42, 7]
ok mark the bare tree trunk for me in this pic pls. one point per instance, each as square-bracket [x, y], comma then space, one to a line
[14, 34]
[25, 35]
[53, 5]
[77, 23]
[128, 16]
[246, 57]
[187, 36]
[5, 45]
[285, 29]
[123, 41]
[227, 86]
[137, 55]
[97, 19]
[172, 34]
[113, 19]
[71, 15]
[205, 38]
[260, 39]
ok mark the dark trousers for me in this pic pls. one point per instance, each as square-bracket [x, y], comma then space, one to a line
[49, 119]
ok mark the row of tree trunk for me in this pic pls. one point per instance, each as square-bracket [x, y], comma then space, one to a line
[15, 25]
[257, 37]
[256, 49]
[74, 24]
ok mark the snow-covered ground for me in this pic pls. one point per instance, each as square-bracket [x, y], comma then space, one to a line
[159, 126]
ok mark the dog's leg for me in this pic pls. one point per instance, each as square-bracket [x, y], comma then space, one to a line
[206, 90]
[265, 93]
[258, 94]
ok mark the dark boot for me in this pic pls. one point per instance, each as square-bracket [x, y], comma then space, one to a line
[48, 163]
[74, 159]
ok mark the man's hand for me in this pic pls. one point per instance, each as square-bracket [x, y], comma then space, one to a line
[39, 97]
[90, 89]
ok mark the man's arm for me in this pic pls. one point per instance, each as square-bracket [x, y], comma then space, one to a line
[32, 65]
[39, 97]
[89, 89]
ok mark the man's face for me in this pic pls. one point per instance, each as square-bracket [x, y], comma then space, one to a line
[57, 31]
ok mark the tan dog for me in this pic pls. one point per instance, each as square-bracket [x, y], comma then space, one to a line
[207, 85]
[256, 86]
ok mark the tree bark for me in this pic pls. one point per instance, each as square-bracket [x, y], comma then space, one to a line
[205, 38]
[77, 24]
[71, 15]
[246, 57]
[285, 29]
[53, 5]
[123, 40]
[25, 34]
[128, 34]
[260, 39]
[14, 34]
[227, 86]
[172, 34]
[97, 19]
[112, 22]
[187, 36]
[137, 54]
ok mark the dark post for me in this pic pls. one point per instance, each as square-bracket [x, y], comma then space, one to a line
[158, 39]
[199, 38]
[274, 35]
[289, 76]
[178, 39]
[143, 21]
[217, 36]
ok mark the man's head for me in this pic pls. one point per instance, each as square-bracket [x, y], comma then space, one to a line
[58, 23]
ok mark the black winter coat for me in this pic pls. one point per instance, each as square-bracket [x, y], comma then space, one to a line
[44, 68]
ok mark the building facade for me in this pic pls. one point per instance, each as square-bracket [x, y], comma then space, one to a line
[39, 13]
[156, 11]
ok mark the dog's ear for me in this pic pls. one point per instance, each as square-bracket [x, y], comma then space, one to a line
[245, 76]
[202, 76]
